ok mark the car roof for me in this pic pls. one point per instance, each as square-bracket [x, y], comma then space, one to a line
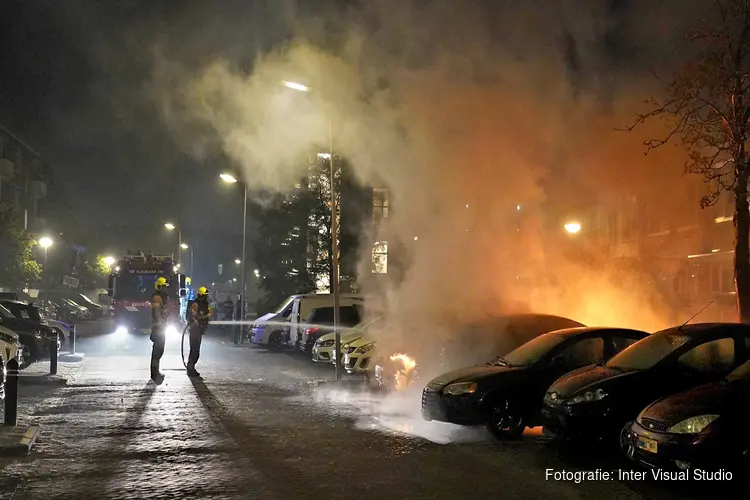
[17, 302]
[571, 332]
[701, 329]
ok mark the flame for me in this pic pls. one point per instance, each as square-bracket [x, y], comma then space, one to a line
[402, 378]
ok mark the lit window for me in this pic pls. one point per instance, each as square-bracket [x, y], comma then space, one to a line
[380, 206]
[380, 257]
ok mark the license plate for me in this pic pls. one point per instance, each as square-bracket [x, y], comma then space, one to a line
[647, 444]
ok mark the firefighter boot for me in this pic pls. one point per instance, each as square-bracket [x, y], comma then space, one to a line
[192, 372]
[156, 375]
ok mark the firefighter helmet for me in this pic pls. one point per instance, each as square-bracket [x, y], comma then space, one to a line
[202, 291]
[160, 283]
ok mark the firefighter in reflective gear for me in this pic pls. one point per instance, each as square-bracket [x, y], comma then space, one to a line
[158, 327]
[200, 314]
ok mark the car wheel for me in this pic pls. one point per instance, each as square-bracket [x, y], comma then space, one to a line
[24, 357]
[505, 420]
[275, 341]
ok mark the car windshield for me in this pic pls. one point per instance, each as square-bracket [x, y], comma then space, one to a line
[532, 351]
[285, 309]
[85, 299]
[5, 313]
[742, 373]
[23, 311]
[645, 354]
[134, 287]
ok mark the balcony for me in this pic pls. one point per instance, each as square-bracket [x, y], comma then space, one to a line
[39, 189]
[6, 169]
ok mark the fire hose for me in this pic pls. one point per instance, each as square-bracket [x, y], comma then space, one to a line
[182, 342]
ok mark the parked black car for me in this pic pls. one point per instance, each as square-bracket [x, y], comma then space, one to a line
[321, 323]
[702, 428]
[29, 311]
[35, 338]
[506, 394]
[598, 401]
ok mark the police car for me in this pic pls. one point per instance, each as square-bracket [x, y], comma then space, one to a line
[9, 345]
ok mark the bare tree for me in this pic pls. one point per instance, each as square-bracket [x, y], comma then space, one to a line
[707, 106]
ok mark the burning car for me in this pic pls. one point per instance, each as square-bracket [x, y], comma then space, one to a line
[496, 335]
[325, 346]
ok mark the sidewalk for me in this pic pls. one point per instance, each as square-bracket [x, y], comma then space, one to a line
[111, 434]
[36, 386]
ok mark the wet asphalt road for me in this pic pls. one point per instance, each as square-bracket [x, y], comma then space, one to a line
[267, 425]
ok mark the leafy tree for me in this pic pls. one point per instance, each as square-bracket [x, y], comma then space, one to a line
[707, 106]
[17, 264]
[94, 274]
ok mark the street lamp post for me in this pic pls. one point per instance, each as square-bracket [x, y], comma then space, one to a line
[184, 246]
[334, 235]
[45, 243]
[172, 227]
[230, 179]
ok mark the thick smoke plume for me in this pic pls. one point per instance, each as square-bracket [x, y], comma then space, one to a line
[477, 121]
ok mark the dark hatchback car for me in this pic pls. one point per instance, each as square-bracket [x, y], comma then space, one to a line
[35, 338]
[320, 322]
[506, 395]
[702, 428]
[597, 401]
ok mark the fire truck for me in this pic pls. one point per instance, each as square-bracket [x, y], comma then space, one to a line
[131, 287]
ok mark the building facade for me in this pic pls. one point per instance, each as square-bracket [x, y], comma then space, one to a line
[23, 180]
[685, 252]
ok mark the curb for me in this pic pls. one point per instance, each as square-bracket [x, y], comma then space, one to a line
[19, 442]
[67, 357]
[42, 380]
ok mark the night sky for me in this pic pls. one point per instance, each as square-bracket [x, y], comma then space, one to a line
[73, 82]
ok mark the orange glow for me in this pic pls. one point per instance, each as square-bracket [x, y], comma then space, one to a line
[402, 376]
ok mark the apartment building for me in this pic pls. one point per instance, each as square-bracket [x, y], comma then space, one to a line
[683, 250]
[23, 179]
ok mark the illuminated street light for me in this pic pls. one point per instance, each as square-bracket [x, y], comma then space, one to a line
[257, 273]
[170, 226]
[334, 231]
[296, 86]
[109, 260]
[45, 242]
[234, 279]
[183, 246]
[228, 178]
[572, 227]
[237, 261]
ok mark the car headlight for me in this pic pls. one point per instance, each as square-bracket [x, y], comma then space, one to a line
[172, 331]
[326, 343]
[588, 397]
[460, 388]
[365, 348]
[693, 425]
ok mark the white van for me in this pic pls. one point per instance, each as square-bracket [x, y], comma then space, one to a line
[283, 326]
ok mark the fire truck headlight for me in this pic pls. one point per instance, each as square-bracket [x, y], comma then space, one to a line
[121, 331]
